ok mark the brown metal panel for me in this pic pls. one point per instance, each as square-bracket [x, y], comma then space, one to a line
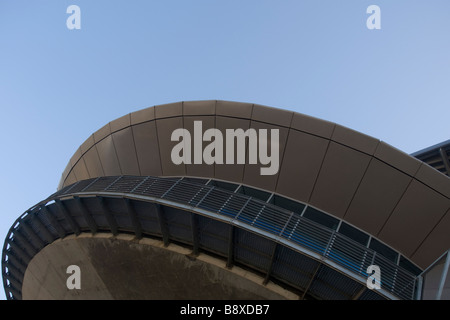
[234, 109]
[108, 157]
[339, 177]
[70, 179]
[147, 148]
[120, 123]
[271, 115]
[143, 115]
[413, 219]
[312, 125]
[379, 192]
[80, 170]
[64, 175]
[126, 152]
[301, 164]
[434, 179]
[199, 170]
[354, 139]
[87, 144]
[195, 108]
[169, 110]
[93, 164]
[252, 174]
[397, 158]
[102, 133]
[76, 156]
[435, 244]
[165, 127]
[230, 172]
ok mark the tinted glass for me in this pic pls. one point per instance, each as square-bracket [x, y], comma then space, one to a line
[322, 218]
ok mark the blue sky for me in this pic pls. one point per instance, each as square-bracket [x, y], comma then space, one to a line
[58, 86]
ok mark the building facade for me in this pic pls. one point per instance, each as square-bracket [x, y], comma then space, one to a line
[228, 200]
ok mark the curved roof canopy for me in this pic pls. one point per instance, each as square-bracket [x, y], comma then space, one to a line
[365, 182]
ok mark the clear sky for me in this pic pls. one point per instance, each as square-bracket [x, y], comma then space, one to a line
[58, 86]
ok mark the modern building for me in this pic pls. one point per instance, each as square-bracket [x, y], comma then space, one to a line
[437, 156]
[140, 225]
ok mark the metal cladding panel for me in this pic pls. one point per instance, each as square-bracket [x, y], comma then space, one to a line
[143, 115]
[408, 226]
[203, 169]
[120, 123]
[339, 178]
[126, 151]
[169, 110]
[271, 115]
[165, 127]
[108, 157]
[71, 178]
[102, 133]
[435, 243]
[431, 177]
[312, 125]
[62, 183]
[252, 172]
[93, 164]
[301, 164]
[230, 172]
[234, 109]
[75, 157]
[342, 171]
[87, 144]
[199, 108]
[147, 148]
[397, 159]
[375, 200]
[354, 139]
[80, 170]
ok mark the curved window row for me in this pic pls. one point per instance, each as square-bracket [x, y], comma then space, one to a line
[317, 216]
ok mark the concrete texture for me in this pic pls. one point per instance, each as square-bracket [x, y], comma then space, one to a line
[123, 268]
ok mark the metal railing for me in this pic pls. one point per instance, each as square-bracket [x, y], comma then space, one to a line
[278, 224]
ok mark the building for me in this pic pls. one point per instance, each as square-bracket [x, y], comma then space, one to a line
[140, 225]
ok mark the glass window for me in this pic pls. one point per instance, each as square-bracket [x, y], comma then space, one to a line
[384, 250]
[408, 265]
[255, 193]
[353, 233]
[224, 185]
[196, 180]
[322, 218]
[287, 204]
